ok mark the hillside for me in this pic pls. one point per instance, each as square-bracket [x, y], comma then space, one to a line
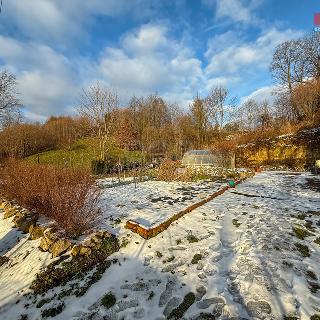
[81, 153]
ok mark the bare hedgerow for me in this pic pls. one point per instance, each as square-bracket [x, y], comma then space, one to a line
[67, 195]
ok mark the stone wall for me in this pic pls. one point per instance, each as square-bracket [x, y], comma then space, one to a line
[296, 151]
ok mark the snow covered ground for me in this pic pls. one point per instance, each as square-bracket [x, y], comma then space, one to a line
[152, 202]
[238, 254]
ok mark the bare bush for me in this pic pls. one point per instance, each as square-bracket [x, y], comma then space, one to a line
[66, 195]
[168, 170]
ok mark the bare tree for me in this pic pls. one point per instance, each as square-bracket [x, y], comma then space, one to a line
[312, 55]
[200, 118]
[98, 103]
[219, 105]
[9, 102]
[289, 67]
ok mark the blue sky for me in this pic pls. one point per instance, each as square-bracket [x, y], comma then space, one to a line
[174, 48]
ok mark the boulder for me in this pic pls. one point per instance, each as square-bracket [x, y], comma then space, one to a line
[102, 234]
[85, 251]
[36, 232]
[59, 247]
[49, 237]
[75, 250]
[23, 220]
[9, 212]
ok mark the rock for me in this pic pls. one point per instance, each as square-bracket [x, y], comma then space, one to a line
[75, 250]
[96, 240]
[36, 232]
[85, 251]
[49, 237]
[59, 247]
[44, 244]
[23, 220]
[3, 260]
[103, 234]
[9, 212]
[258, 308]
[206, 303]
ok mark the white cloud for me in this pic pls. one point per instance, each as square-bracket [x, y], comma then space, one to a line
[46, 79]
[148, 61]
[262, 94]
[240, 11]
[228, 59]
[63, 22]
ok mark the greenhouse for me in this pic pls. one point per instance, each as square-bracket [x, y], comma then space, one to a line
[198, 158]
[208, 158]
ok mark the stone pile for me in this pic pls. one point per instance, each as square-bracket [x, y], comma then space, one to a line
[51, 240]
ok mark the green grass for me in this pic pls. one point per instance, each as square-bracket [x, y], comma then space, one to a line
[301, 233]
[304, 250]
[81, 153]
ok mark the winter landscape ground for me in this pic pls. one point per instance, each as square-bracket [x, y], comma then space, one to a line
[251, 253]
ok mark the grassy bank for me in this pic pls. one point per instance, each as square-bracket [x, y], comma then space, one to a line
[81, 153]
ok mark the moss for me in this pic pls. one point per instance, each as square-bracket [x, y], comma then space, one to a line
[304, 250]
[178, 241]
[310, 274]
[317, 241]
[196, 258]
[187, 302]
[301, 216]
[52, 312]
[95, 277]
[191, 238]
[23, 317]
[301, 233]
[55, 275]
[290, 318]
[108, 300]
[236, 223]
[315, 317]
[65, 293]
[159, 254]
[42, 302]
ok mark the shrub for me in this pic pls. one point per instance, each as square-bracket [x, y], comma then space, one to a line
[65, 195]
[168, 170]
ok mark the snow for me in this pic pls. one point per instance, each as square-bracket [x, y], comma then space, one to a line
[25, 261]
[248, 265]
[153, 202]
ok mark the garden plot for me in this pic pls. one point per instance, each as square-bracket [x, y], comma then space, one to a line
[237, 257]
[152, 202]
